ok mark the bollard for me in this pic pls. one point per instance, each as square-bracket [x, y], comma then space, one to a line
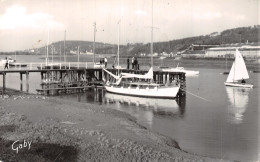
[69, 65]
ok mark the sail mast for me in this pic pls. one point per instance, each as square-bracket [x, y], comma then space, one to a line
[152, 38]
[118, 45]
[47, 58]
[94, 42]
[65, 46]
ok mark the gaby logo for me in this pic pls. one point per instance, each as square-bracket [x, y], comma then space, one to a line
[17, 145]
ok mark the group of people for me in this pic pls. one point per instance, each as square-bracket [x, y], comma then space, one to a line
[134, 61]
[103, 61]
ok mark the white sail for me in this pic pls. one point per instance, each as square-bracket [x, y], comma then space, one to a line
[230, 77]
[240, 67]
[238, 70]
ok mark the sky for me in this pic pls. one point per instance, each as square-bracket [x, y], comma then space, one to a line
[26, 24]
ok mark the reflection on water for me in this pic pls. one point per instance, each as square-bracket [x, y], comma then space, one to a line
[238, 98]
[149, 107]
[144, 109]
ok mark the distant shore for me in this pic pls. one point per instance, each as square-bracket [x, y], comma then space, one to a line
[72, 131]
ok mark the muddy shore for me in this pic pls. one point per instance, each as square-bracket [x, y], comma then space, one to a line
[62, 130]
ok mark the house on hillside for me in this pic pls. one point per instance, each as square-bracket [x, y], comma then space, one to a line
[196, 47]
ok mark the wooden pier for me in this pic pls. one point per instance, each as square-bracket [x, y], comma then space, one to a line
[76, 79]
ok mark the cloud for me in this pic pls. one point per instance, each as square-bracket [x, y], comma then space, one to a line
[240, 17]
[140, 12]
[17, 17]
[206, 15]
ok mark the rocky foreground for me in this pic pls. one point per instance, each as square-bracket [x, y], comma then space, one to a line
[61, 130]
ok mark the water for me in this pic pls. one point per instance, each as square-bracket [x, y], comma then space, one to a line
[222, 122]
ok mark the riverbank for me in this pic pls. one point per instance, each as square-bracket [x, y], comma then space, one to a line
[70, 131]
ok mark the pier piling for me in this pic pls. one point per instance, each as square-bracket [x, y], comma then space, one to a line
[4, 82]
[27, 82]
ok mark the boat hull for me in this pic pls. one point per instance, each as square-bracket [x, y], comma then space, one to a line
[239, 85]
[17, 64]
[161, 92]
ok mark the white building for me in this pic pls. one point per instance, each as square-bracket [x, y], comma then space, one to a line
[247, 51]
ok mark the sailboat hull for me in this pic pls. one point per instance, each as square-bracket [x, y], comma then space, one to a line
[239, 85]
[160, 92]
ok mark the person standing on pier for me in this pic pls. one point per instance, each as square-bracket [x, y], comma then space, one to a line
[136, 64]
[133, 60]
[6, 63]
[105, 60]
[128, 62]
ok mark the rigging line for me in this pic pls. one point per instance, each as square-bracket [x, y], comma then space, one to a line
[195, 95]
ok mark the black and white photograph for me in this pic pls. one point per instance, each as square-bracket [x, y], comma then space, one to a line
[129, 80]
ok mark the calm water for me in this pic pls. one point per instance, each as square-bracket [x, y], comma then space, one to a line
[222, 122]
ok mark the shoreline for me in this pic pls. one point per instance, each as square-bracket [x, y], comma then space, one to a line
[79, 131]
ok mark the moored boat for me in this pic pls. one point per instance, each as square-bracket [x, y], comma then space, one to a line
[140, 85]
[238, 73]
[180, 69]
[125, 84]
[142, 89]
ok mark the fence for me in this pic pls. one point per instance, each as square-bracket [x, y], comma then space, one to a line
[54, 65]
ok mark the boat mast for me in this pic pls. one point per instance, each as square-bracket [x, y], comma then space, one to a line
[78, 56]
[118, 45]
[94, 42]
[60, 54]
[152, 38]
[226, 60]
[52, 51]
[235, 65]
[65, 46]
[47, 58]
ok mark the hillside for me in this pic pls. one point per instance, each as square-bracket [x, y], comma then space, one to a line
[236, 35]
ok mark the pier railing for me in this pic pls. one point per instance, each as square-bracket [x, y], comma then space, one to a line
[52, 65]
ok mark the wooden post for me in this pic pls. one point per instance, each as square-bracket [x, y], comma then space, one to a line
[100, 75]
[61, 80]
[21, 81]
[27, 82]
[3, 82]
[41, 76]
[21, 77]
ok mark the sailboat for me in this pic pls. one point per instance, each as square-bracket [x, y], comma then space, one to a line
[141, 85]
[238, 73]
